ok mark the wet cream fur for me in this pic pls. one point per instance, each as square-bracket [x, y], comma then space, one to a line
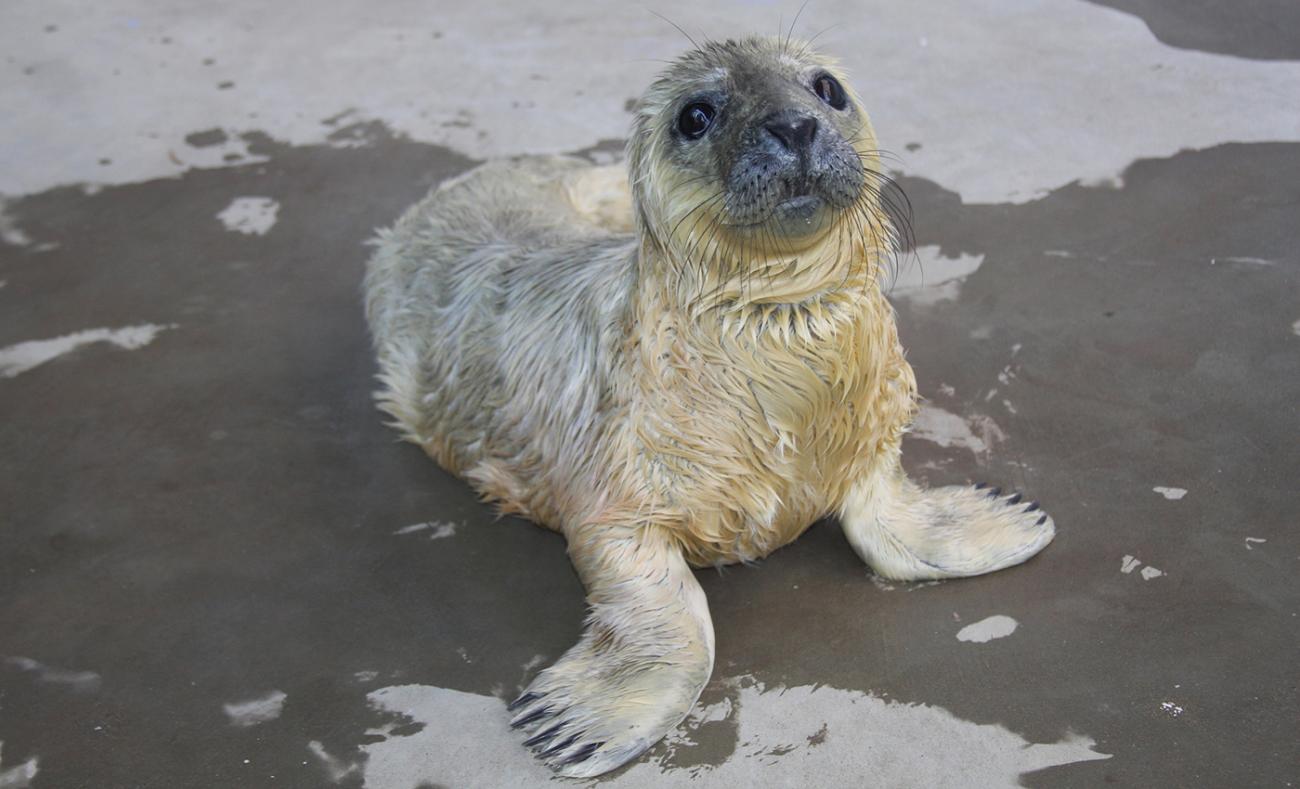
[574, 342]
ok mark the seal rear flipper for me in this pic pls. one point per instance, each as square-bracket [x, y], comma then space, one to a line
[640, 665]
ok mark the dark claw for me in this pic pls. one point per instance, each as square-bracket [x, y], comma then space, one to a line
[1015, 499]
[981, 485]
[522, 700]
[583, 754]
[544, 735]
[1041, 521]
[993, 494]
[559, 746]
[1033, 505]
[536, 714]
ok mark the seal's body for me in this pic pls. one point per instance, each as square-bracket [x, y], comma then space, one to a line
[691, 371]
[526, 350]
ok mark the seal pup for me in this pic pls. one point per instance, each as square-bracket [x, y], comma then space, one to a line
[684, 364]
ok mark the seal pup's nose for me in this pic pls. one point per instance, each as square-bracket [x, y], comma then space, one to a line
[793, 129]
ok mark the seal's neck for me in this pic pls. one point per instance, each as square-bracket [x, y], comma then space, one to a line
[732, 278]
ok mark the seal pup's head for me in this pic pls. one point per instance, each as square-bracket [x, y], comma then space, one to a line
[752, 162]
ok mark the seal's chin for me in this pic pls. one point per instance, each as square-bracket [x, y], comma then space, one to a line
[800, 217]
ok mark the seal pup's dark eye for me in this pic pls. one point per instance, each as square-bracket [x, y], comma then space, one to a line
[828, 90]
[695, 119]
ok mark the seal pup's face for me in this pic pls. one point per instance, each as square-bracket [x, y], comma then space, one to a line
[747, 150]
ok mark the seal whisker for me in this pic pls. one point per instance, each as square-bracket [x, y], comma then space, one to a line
[694, 43]
[806, 47]
[789, 34]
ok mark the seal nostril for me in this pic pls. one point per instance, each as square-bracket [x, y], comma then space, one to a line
[793, 130]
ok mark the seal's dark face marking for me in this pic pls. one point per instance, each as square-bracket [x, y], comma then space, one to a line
[773, 129]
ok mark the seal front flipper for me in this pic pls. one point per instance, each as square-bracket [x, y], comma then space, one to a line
[641, 663]
[909, 533]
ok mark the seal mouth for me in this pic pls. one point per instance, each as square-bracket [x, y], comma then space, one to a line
[798, 216]
[794, 207]
[801, 207]
[800, 212]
